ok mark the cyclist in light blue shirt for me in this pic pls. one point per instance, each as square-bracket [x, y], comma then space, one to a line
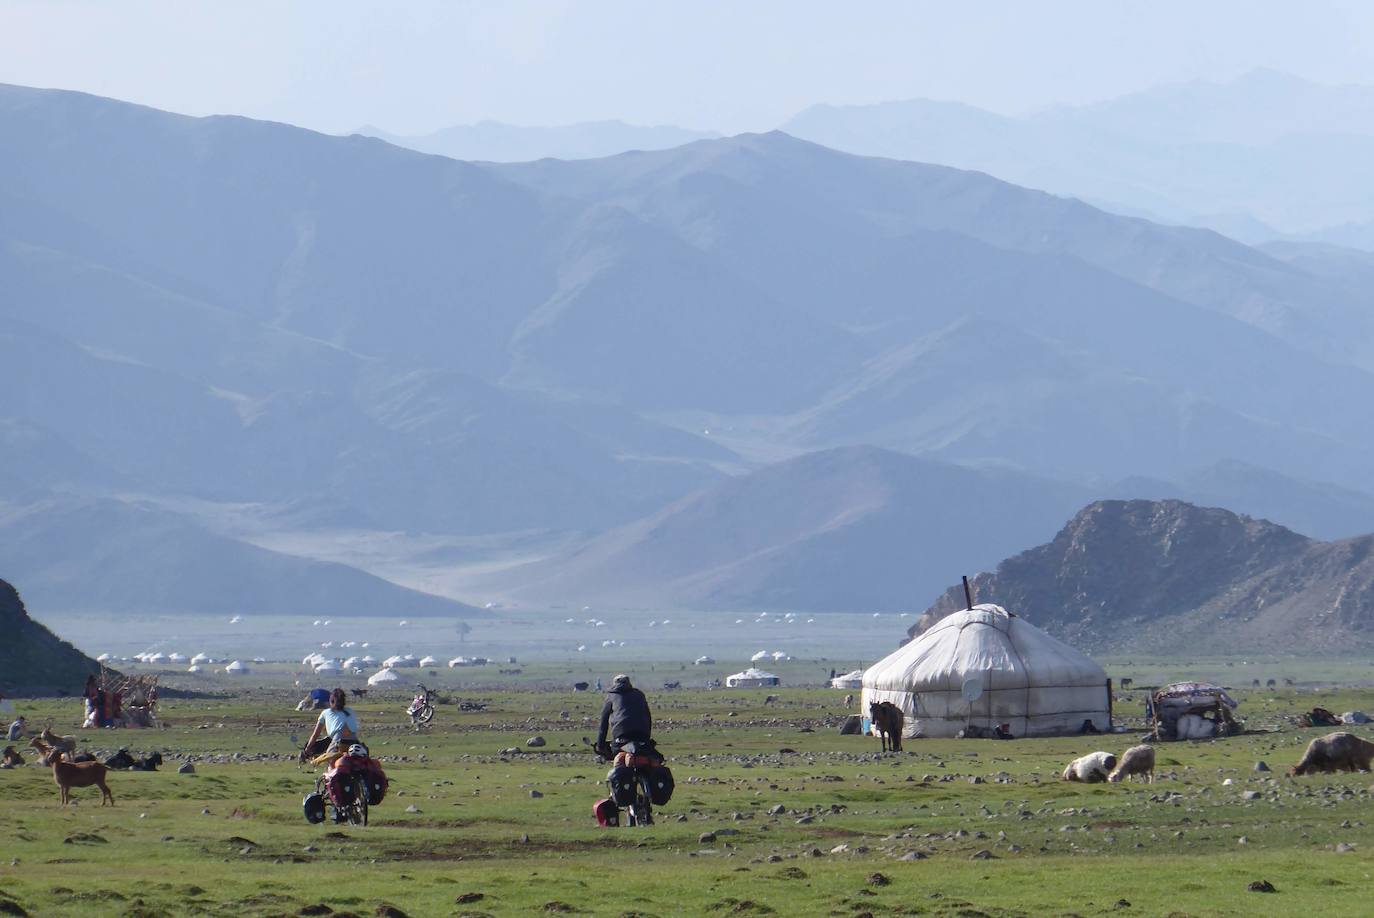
[338, 724]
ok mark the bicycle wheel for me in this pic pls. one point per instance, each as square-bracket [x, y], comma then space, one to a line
[358, 814]
[644, 810]
[425, 714]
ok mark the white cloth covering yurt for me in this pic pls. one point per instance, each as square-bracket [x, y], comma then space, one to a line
[1036, 683]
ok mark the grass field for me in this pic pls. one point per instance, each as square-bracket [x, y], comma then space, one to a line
[947, 828]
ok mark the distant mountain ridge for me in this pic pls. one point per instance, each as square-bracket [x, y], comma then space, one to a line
[228, 312]
[494, 141]
[1240, 154]
[1156, 576]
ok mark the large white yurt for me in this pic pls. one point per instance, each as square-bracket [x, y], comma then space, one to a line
[236, 668]
[1013, 672]
[850, 680]
[751, 678]
[383, 677]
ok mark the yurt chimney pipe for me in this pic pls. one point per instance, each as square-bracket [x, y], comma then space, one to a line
[968, 594]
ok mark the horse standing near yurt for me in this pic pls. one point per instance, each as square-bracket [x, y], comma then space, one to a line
[888, 721]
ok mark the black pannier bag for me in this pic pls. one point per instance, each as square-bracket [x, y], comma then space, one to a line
[660, 785]
[621, 781]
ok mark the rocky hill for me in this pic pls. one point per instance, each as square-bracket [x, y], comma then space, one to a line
[33, 660]
[1166, 576]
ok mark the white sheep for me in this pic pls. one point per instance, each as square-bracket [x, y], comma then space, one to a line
[1090, 768]
[1138, 760]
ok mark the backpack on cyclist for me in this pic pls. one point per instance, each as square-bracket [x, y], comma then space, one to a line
[660, 785]
[621, 781]
[607, 813]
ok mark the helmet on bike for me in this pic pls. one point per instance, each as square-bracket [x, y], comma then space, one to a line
[314, 807]
[358, 749]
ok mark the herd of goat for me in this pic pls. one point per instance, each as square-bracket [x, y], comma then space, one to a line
[1330, 753]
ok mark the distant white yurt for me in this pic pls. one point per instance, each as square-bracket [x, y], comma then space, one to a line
[236, 668]
[851, 680]
[383, 677]
[200, 658]
[751, 678]
[193, 668]
[158, 657]
[103, 658]
[703, 661]
[984, 666]
[761, 655]
[351, 662]
[429, 661]
[328, 666]
[457, 661]
[368, 659]
[395, 660]
[176, 658]
[781, 656]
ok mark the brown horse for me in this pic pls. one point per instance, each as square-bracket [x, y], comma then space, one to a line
[888, 722]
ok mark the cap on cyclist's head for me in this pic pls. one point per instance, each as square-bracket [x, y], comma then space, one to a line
[621, 681]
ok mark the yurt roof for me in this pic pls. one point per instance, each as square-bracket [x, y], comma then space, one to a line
[987, 642]
[752, 673]
[385, 675]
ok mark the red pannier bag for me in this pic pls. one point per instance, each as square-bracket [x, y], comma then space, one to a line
[337, 780]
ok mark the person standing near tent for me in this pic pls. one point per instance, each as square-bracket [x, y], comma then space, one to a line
[338, 724]
[625, 718]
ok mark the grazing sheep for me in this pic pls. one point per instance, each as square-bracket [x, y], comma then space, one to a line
[1138, 760]
[849, 701]
[1090, 768]
[1127, 683]
[771, 699]
[888, 722]
[1335, 752]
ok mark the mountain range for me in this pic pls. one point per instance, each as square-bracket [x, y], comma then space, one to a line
[1263, 156]
[1165, 576]
[498, 142]
[203, 312]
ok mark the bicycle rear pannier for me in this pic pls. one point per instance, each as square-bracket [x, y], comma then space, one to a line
[660, 784]
[621, 781]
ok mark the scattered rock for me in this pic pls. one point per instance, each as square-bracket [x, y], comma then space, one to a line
[186, 768]
[386, 910]
[467, 898]
[1251, 795]
[877, 879]
[1122, 903]
[1261, 766]
[535, 742]
[706, 838]
[310, 849]
[805, 820]
[840, 849]
[534, 794]
[912, 856]
[1261, 886]
[318, 909]
[85, 838]
[1344, 848]
[983, 855]
[777, 809]
[412, 809]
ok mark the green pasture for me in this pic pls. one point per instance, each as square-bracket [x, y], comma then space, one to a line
[946, 828]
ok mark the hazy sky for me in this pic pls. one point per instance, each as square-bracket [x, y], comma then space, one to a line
[412, 66]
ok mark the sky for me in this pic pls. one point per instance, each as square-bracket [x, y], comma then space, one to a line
[416, 66]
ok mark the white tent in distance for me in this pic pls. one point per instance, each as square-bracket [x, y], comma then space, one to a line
[983, 667]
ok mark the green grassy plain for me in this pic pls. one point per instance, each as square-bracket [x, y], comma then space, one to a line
[230, 840]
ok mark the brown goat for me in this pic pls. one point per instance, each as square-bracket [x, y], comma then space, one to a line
[1138, 760]
[79, 774]
[1335, 752]
[46, 754]
[888, 722]
[65, 744]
